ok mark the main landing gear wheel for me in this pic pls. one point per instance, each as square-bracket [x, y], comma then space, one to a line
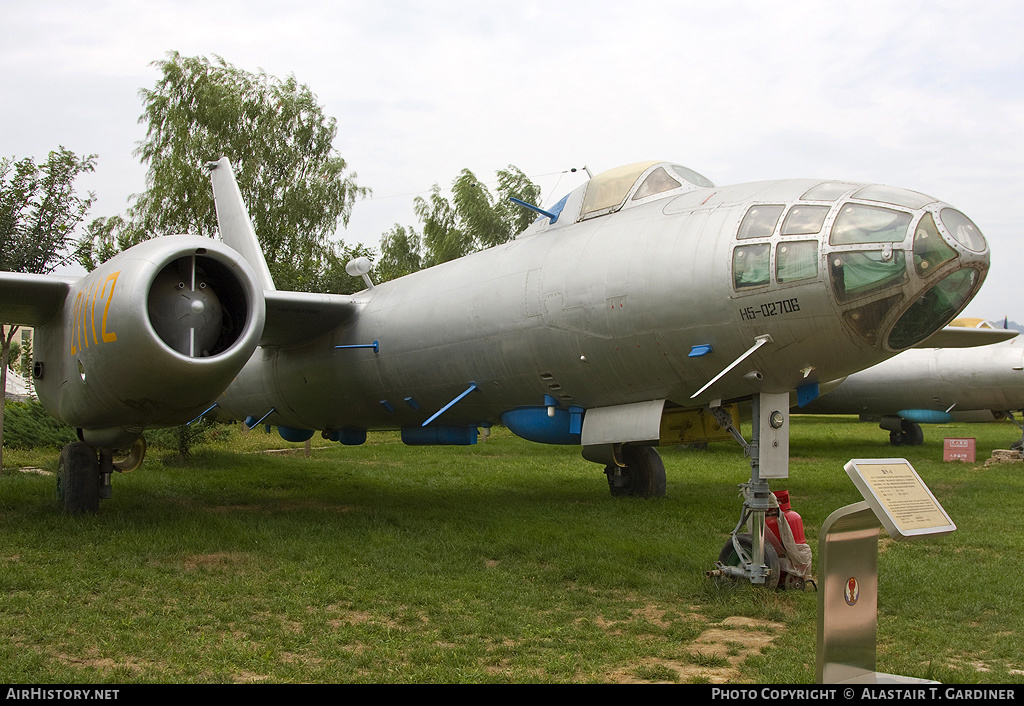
[730, 557]
[78, 479]
[909, 434]
[642, 477]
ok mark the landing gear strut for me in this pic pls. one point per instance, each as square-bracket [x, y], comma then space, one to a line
[756, 555]
[1019, 444]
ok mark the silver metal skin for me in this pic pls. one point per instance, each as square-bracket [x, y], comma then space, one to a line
[968, 384]
[596, 312]
[129, 347]
[645, 292]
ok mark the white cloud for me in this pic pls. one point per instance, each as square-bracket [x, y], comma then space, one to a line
[919, 94]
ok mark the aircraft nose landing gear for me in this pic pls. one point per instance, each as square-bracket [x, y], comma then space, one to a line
[779, 557]
[786, 561]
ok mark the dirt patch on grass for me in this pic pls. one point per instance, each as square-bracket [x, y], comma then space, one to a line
[34, 470]
[715, 656]
[218, 560]
[92, 660]
[978, 666]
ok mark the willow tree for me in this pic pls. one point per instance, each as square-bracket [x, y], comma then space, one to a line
[471, 219]
[295, 183]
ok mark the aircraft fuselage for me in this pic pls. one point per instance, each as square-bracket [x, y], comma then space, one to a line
[604, 311]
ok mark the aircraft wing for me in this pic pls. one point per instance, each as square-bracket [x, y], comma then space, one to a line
[959, 337]
[31, 300]
[297, 317]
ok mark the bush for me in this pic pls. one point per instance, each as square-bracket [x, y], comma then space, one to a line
[185, 437]
[27, 425]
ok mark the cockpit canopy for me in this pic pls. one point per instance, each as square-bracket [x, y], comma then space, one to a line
[611, 190]
[878, 242]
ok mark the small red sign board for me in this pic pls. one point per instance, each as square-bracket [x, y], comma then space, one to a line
[958, 450]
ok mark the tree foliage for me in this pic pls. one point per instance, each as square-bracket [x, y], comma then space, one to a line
[472, 219]
[295, 184]
[39, 211]
[400, 253]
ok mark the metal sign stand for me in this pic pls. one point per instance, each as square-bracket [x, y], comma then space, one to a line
[896, 498]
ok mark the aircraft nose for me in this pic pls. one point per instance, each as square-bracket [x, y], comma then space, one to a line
[902, 265]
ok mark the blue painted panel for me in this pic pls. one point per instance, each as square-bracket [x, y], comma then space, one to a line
[290, 434]
[352, 437]
[925, 416]
[534, 424]
[807, 393]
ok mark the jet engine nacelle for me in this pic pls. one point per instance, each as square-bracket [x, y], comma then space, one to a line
[150, 338]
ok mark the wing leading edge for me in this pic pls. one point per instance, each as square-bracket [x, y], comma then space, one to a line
[959, 337]
[32, 300]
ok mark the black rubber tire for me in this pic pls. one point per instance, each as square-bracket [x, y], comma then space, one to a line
[78, 479]
[910, 434]
[729, 557]
[644, 474]
[913, 435]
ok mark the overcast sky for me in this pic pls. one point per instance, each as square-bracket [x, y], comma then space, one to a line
[925, 95]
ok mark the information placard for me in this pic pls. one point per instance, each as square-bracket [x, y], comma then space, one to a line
[899, 498]
[958, 449]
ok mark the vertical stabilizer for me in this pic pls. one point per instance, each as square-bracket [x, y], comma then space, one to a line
[233, 219]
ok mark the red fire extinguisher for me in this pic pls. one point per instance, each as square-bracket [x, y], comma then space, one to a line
[796, 524]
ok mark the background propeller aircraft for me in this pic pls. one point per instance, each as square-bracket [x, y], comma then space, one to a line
[933, 386]
[635, 312]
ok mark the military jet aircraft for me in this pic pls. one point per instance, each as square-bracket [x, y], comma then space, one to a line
[933, 386]
[636, 311]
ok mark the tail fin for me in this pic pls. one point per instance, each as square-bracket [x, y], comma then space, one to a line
[233, 219]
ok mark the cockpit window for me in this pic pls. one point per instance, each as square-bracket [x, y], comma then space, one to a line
[869, 224]
[933, 309]
[804, 220]
[930, 250]
[796, 260]
[963, 229]
[760, 221]
[693, 177]
[608, 189]
[750, 265]
[827, 191]
[867, 318]
[862, 272]
[893, 195]
[657, 182]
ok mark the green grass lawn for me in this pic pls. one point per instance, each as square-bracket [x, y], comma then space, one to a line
[502, 562]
